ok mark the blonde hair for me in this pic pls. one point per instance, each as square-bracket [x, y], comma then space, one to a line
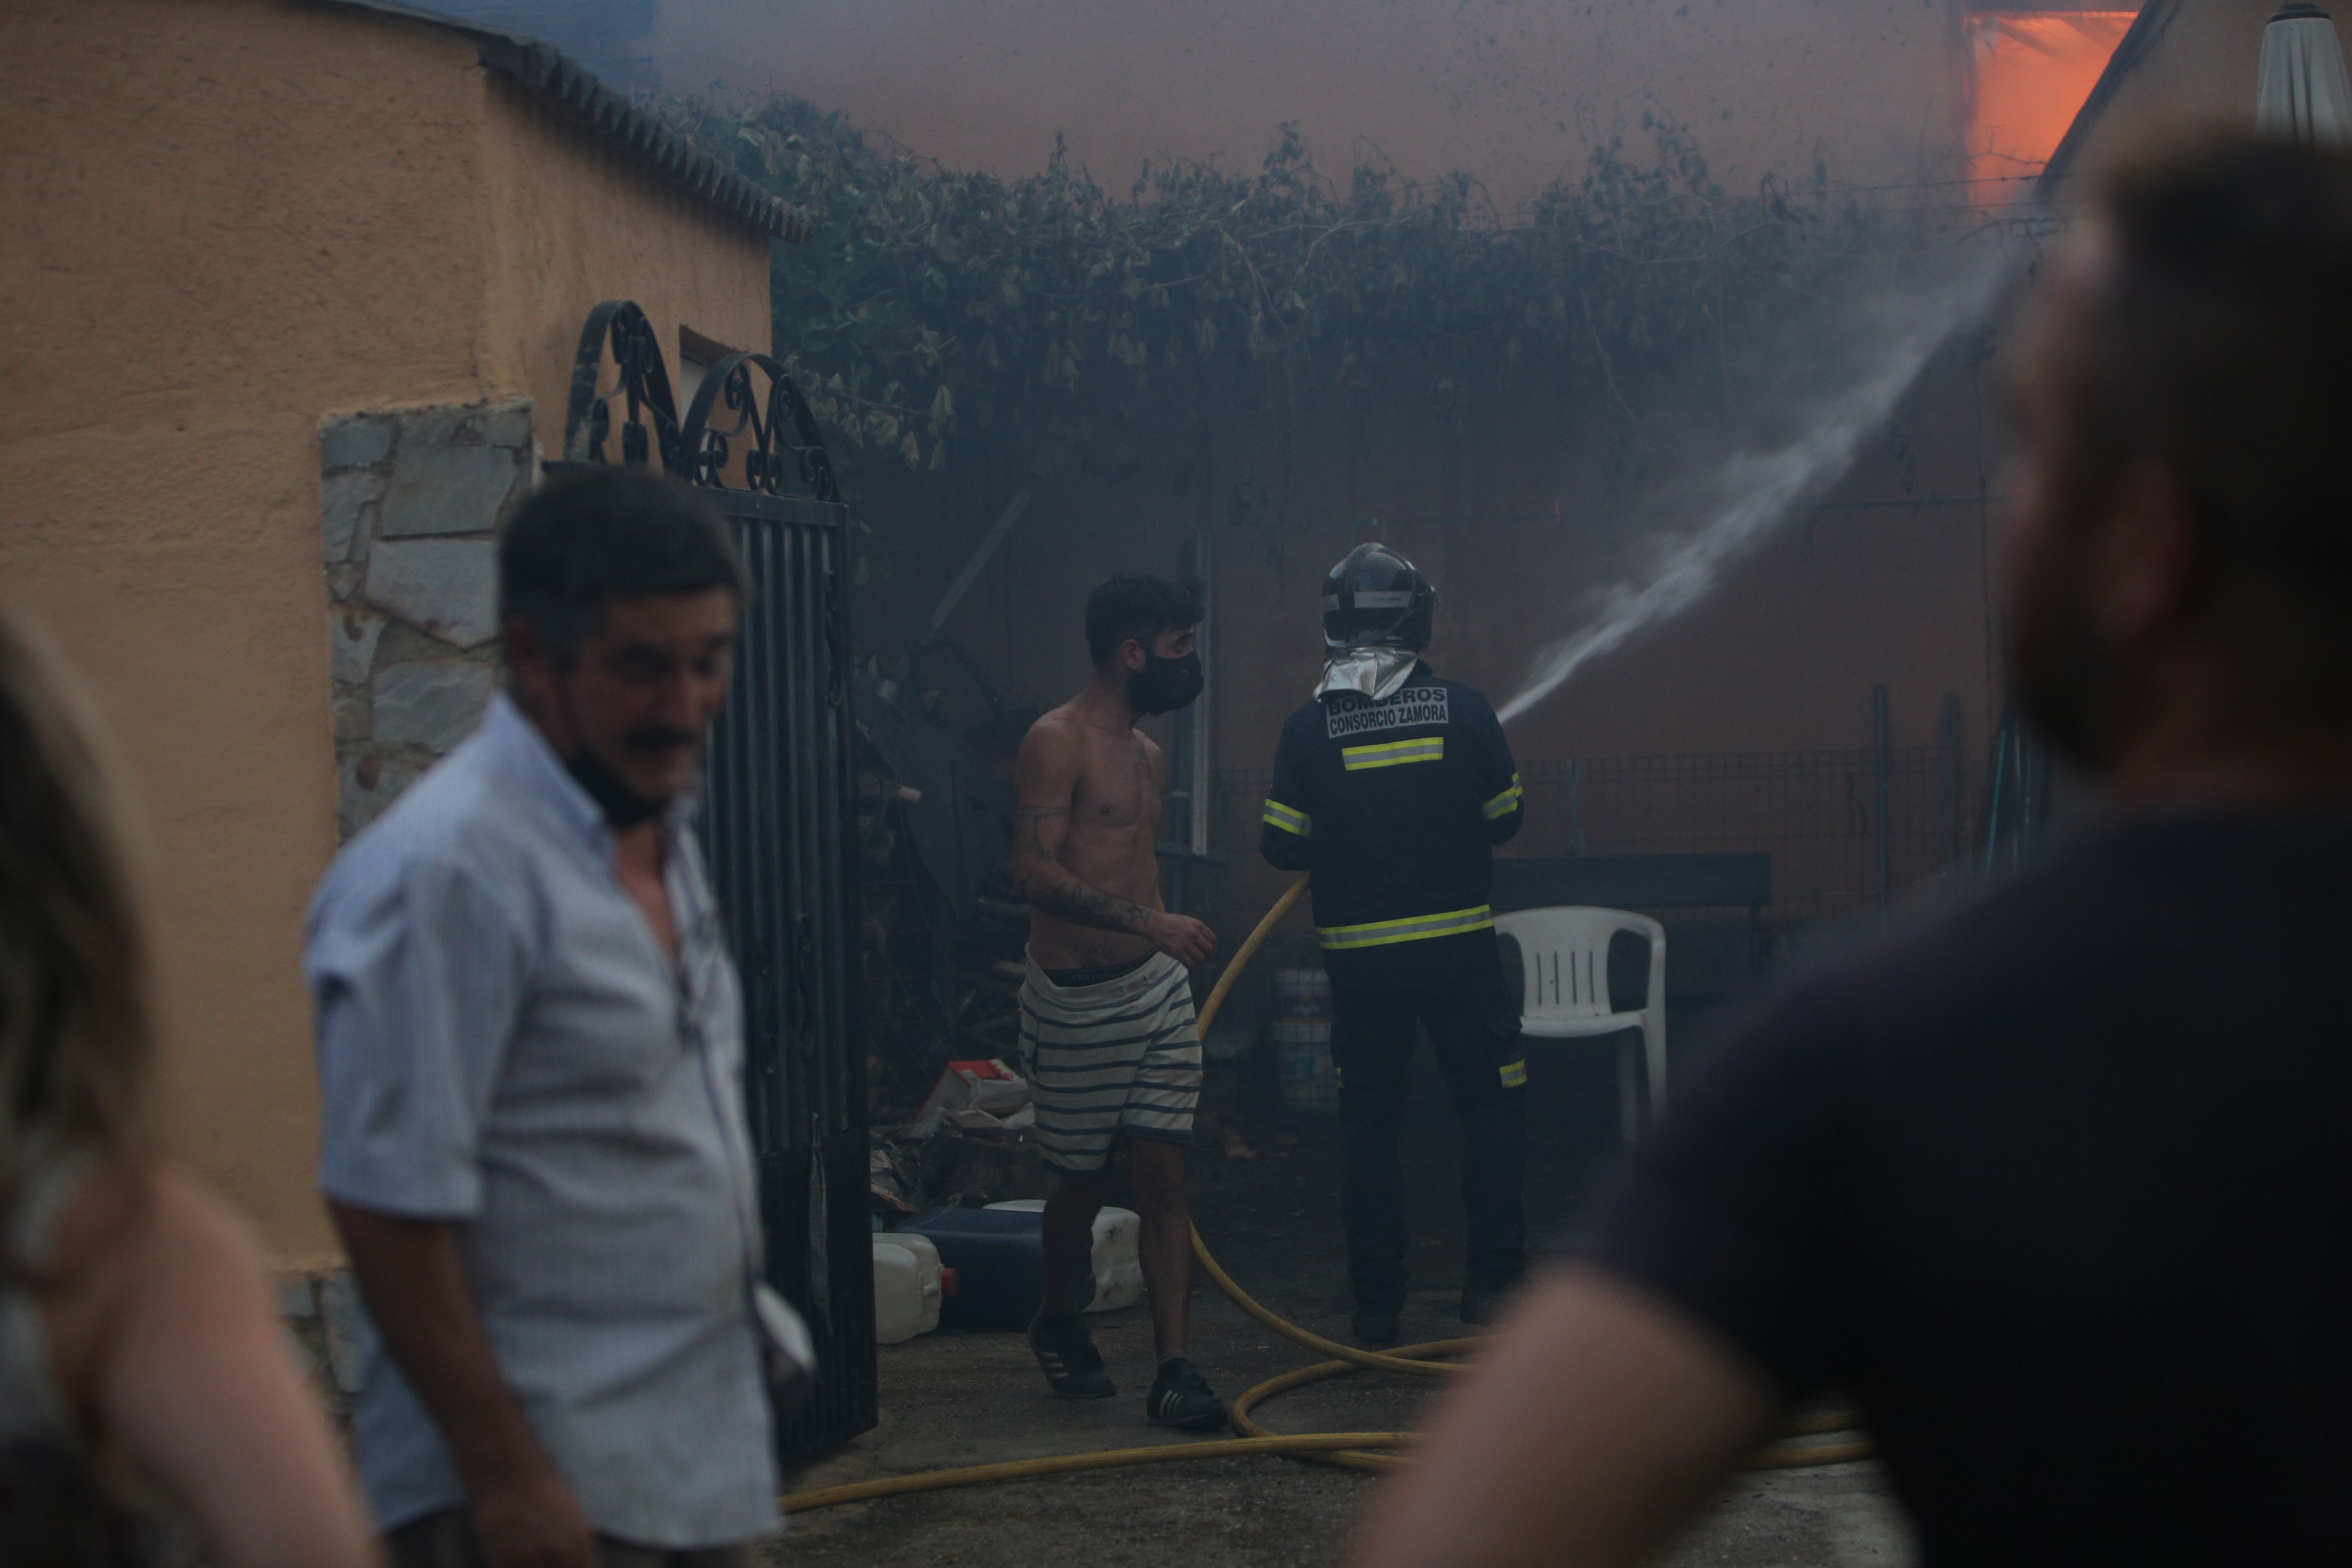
[75, 1028]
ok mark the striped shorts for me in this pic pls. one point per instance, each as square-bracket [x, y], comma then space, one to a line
[1120, 1057]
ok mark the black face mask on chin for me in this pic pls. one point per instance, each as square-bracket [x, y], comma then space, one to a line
[623, 807]
[1164, 684]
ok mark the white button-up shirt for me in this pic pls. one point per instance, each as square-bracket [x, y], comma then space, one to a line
[504, 1044]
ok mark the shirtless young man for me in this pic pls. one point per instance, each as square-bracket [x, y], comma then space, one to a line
[1106, 1031]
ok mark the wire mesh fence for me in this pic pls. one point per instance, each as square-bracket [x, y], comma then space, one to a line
[1850, 832]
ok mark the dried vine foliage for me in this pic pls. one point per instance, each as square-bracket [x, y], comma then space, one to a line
[1050, 315]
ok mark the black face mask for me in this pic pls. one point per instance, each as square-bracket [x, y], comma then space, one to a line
[1164, 684]
[623, 807]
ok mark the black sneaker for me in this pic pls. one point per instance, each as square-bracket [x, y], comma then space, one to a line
[1376, 1328]
[1066, 1355]
[1181, 1398]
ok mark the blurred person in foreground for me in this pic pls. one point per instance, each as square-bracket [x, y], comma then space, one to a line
[144, 1380]
[2060, 1186]
[531, 1055]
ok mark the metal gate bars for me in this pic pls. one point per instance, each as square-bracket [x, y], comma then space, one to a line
[776, 821]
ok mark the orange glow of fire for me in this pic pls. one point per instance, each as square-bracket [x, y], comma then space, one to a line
[2033, 71]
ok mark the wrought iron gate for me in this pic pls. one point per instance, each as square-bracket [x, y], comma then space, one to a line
[777, 817]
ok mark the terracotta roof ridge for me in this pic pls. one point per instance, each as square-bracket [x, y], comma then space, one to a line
[608, 117]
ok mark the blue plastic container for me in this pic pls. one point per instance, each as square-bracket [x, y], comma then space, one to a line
[999, 1257]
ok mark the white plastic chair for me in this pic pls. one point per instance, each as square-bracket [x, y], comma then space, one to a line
[1564, 953]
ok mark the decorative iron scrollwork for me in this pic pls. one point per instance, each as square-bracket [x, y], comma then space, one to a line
[781, 446]
[642, 388]
[769, 425]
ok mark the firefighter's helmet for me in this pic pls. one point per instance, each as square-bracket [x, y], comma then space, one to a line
[1376, 598]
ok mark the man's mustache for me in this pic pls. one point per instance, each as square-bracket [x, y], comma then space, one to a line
[658, 738]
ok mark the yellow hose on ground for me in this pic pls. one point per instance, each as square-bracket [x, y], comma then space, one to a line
[1355, 1450]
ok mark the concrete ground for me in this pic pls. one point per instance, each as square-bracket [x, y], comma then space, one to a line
[971, 1398]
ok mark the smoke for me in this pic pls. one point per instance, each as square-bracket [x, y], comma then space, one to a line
[1861, 357]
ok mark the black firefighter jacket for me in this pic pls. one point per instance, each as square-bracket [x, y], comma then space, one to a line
[1395, 805]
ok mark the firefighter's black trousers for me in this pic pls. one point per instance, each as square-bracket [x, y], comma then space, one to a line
[1476, 1033]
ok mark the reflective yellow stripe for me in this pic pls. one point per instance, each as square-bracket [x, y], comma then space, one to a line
[1375, 933]
[1387, 754]
[1515, 1073]
[1505, 801]
[1288, 820]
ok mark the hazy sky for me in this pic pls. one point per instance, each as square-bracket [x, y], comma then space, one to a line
[1508, 90]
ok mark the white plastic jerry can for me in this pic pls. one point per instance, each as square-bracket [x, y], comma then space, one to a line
[1119, 1260]
[1118, 1257]
[906, 1288]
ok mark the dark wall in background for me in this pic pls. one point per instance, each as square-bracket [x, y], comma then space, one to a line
[1884, 583]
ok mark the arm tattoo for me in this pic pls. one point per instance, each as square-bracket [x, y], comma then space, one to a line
[1033, 838]
[1067, 898]
[1080, 905]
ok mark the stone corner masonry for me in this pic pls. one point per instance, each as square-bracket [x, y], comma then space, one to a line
[410, 500]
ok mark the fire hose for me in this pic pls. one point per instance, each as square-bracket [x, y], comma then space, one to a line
[1354, 1450]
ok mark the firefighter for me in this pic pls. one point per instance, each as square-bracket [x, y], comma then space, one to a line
[1391, 787]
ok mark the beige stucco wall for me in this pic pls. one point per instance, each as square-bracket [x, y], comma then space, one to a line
[1511, 91]
[570, 227]
[228, 221]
